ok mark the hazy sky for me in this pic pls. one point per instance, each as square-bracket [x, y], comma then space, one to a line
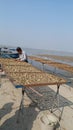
[43, 24]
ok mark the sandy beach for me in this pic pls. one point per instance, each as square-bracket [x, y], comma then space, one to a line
[36, 65]
[10, 99]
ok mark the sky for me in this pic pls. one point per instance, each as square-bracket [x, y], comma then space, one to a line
[40, 24]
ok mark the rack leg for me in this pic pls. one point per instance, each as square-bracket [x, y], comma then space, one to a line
[43, 66]
[58, 101]
[0, 79]
[56, 97]
[0, 76]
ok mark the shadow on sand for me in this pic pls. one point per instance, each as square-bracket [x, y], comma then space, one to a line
[26, 118]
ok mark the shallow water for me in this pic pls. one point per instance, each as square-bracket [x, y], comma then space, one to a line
[50, 52]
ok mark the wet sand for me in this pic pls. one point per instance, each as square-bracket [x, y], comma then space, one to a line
[63, 58]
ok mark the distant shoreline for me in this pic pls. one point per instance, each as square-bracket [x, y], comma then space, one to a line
[33, 51]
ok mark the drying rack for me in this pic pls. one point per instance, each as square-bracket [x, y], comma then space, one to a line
[54, 64]
[56, 99]
[30, 86]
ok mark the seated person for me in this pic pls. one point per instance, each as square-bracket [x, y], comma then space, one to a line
[22, 55]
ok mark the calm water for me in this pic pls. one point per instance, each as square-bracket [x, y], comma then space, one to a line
[39, 51]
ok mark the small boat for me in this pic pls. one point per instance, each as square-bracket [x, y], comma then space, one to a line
[8, 52]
